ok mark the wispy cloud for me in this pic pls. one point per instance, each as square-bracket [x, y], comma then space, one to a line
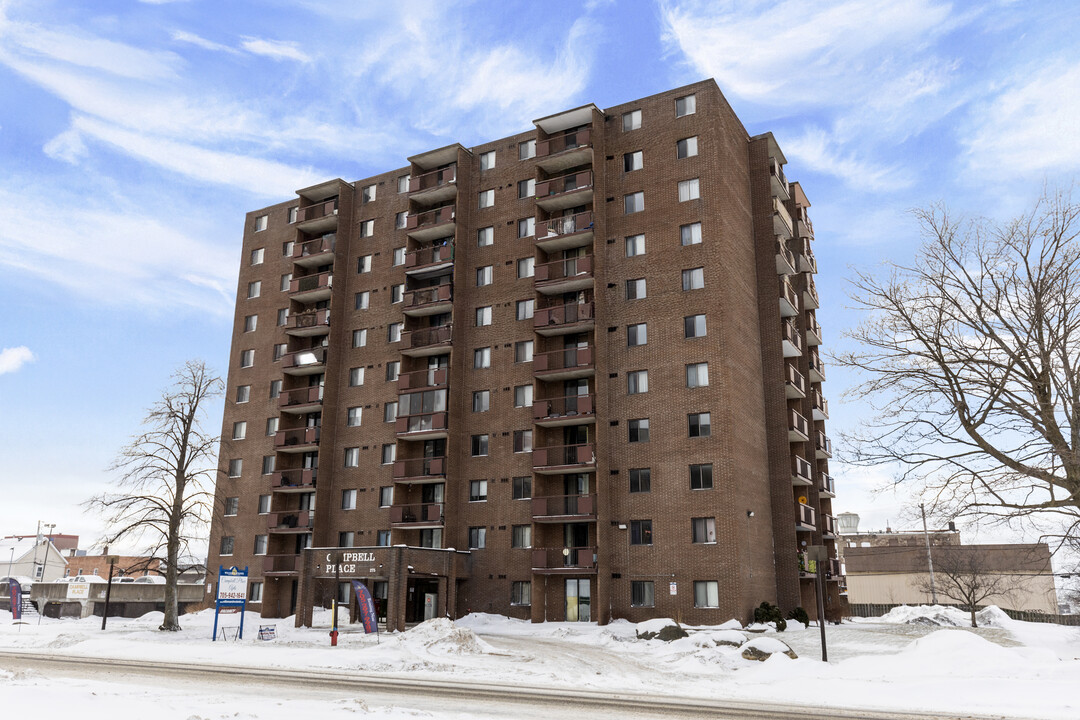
[198, 41]
[275, 49]
[13, 358]
[817, 150]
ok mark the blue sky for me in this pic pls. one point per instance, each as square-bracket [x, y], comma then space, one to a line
[135, 135]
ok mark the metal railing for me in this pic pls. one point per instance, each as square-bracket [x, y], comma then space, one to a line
[566, 359]
[569, 406]
[314, 212]
[568, 225]
[570, 140]
[433, 179]
[560, 455]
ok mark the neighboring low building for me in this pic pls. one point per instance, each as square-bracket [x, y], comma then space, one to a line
[24, 556]
[136, 565]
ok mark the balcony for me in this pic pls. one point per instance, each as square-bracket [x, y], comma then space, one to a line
[804, 226]
[563, 233]
[563, 459]
[299, 480]
[435, 186]
[807, 262]
[312, 288]
[785, 259]
[805, 518]
[422, 380]
[778, 179]
[789, 300]
[564, 561]
[566, 364]
[313, 253]
[823, 446]
[566, 275]
[420, 470]
[813, 330]
[798, 429]
[564, 508]
[292, 521]
[817, 368]
[827, 489]
[794, 383]
[281, 564]
[429, 301]
[792, 341]
[421, 427]
[426, 341]
[810, 296]
[563, 319]
[430, 260]
[304, 362]
[431, 224]
[565, 191]
[828, 527]
[425, 515]
[297, 441]
[833, 571]
[309, 324]
[564, 150]
[802, 473]
[569, 410]
[318, 218]
[821, 405]
[301, 400]
[781, 219]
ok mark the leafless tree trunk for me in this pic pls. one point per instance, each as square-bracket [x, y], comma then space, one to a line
[971, 357]
[163, 496]
[963, 574]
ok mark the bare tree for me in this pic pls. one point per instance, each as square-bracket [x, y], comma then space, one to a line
[965, 575]
[163, 496]
[972, 356]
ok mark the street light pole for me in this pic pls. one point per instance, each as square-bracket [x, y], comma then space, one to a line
[929, 558]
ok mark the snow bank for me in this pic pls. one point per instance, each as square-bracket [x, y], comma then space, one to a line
[942, 615]
[441, 635]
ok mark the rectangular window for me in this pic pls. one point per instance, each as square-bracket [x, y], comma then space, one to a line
[287, 248]
[526, 150]
[641, 593]
[283, 317]
[633, 202]
[271, 426]
[367, 228]
[367, 193]
[345, 539]
[521, 536]
[226, 545]
[254, 288]
[632, 161]
[397, 293]
[522, 488]
[403, 184]
[686, 148]
[525, 309]
[285, 282]
[382, 538]
[243, 393]
[390, 412]
[637, 382]
[701, 477]
[635, 289]
[703, 530]
[355, 415]
[478, 490]
[268, 463]
[401, 220]
[275, 389]
[483, 275]
[631, 120]
[279, 351]
[689, 189]
[481, 358]
[250, 323]
[523, 441]
[521, 592]
[640, 480]
[232, 506]
[393, 335]
[523, 351]
[236, 467]
[487, 160]
[477, 538]
[481, 400]
[260, 545]
[348, 499]
[487, 198]
[526, 267]
[700, 424]
[294, 213]
[399, 257]
[356, 376]
[352, 457]
[526, 227]
[264, 504]
[485, 236]
[239, 430]
[479, 445]
[389, 453]
[637, 334]
[359, 338]
[686, 105]
[639, 430]
[706, 592]
[690, 234]
[635, 245]
[693, 279]
[386, 496]
[261, 222]
[526, 188]
[256, 589]
[523, 396]
[362, 300]
[641, 532]
[697, 375]
[393, 367]
[694, 326]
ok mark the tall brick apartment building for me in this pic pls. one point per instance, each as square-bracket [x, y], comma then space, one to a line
[570, 374]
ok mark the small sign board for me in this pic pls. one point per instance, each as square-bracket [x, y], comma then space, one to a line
[231, 596]
[673, 588]
[78, 591]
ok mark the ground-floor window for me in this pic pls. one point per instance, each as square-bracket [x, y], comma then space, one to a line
[255, 592]
[521, 592]
[706, 594]
[641, 593]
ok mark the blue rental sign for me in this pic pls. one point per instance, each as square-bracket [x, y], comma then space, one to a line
[367, 607]
[231, 596]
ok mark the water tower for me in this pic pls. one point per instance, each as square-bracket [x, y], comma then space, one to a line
[847, 523]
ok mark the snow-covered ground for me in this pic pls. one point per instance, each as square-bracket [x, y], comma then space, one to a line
[912, 659]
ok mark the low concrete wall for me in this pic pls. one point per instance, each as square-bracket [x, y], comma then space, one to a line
[125, 600]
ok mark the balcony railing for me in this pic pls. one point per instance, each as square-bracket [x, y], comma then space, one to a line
[559, 271]
[828, 524]
[417, 468]
[301, 478]
[553, 317]
[431, 255]
[810, 296]
[564, 184]
[785, 259]
[823, 445]
[425, 423]
[564, 456]
[575, 358]
[426, 337]
[433, 179]
[564, 506]
[794, 383]
[417, 299]
[805, 517]
[813, 330]
[301, 396]
[793, 342]
[281, 564]
[562, 226]
[427, 514]
[292, 520]
[564, 560]
[781, 219]
[798, 430]
[297, 438]
[431, 218]
[802, 473]
[789, 300]
[318, 246]
[777, 171]
[310, 283]
[556, 144]
[422, 379]
[807, 262]
[817, 368]
[319, 210]
[820, 404]
[313, 320]
[828, 486]
[300, 359]
[571, 406]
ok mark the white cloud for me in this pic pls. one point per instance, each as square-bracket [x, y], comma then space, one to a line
[67, 146]
[13, 358]
[197, 41]
[275, 49]
[817, 150]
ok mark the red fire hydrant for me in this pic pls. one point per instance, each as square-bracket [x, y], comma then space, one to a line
[333, 638]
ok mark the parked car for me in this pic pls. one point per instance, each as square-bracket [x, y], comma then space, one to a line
[150, 580]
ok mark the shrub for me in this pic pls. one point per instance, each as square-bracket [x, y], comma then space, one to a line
[799, 615]
[766, 613]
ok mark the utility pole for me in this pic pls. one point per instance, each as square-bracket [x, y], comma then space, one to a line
[929, 558]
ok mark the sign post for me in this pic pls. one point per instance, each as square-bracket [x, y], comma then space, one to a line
[231, 596]
[111, 559]
[819, 554]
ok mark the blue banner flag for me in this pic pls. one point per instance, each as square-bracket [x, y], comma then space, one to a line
[367, 607]
[16, 598]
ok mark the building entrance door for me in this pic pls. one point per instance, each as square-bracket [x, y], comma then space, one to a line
[578, 600]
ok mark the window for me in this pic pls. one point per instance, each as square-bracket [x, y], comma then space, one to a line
[232, 506]
[286, 282]
[694, 326]
[523, 351]
[701, 477]
[641, 532]
[401, 220]
[637, 382]
[236, 467]
[399, 257]
[686, 148]
[526, 227]
[697, 375]
[478, 491]
[386, 496]
[367, 228]
[239, 430]
[356, 376]
[637, 335]
[243, 393]
[403, 183]
[363, 264]
[640, 480]
[481, 358]
[523, 396]
[355, 414]
[254, 289]
[389, 453]
[257, 256]
[393, 368]
[352, 457]
[641, 593]
[485, 236]
[703, 530]
[526, 267]
[686, 105]
[345, 539]
[631, 120]
[521, 536]
[250, 322]
[483, 316]
[483, 275]
[287, 248]
[481, 400]
[477, 538]
[639, 430]
[275, 389]
[700, 424]
[359, 338]
[525, 309]
[706, 593]
[367, 194]
[693, 279]
[635, 245]
[382, 538]
[397, 293]
[526, 188]
[264, 504]
[487, 160]
[521, 592]
[479, 445]
[632, 161]
[348, 499]
[268, 463]
[261, 222]
[393, 335]
[487, 198]
[283, 317]
[633, 202]
[526, 150]
[522, 488]
[363, 300]
[279, 350]
[294, 213]
[260, 545]
[523, 441]
[635, 289]
[390, 412]
[226, 545]
[689, 189]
